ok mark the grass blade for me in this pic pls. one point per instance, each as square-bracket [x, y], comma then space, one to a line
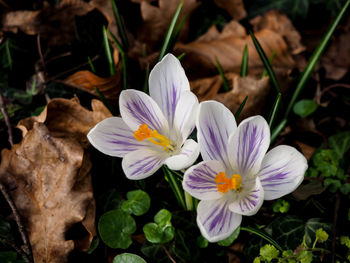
[105, 101]
[221, 72]
[264, 74]
[108, 52]
[266, 62]
[175, 35]
[179, 57]
[120, 25]
[276, 131]
[170, 31]
[314, 58]
[92, 67]
[238, 112]
[244, 64]
[175, 186]
[124, 60]
[274, 109]
[145, 84]
[262, 235]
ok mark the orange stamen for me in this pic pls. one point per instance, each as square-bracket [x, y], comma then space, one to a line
[224, 184]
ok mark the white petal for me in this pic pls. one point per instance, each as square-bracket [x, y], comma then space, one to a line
[166, 82]
[199, 180]
[188, 155]
[185, 114]
[142, 163]
[215, 221]
[283, 170]
[215, 123]
[113, 137]
[248, 145]
[137, 108]
[250, 202]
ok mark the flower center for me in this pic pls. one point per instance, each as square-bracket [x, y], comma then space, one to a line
[224, 184]
[144, 132]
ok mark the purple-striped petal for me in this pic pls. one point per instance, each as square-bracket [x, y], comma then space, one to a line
[187, 156]
[249, 202]
[283, 170]
[199, 180]
[185, 114]
[138, 108]
[166, 82]
[113, 137]
[215, 123]
[215, 221]
[142, 163]
[248, 145]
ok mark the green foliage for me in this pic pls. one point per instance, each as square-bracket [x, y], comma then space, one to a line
[244, 63]
[340, 143]
[229, 240]
[162, 230]
[115, 228]
[304, 108]
[281, 206]
[225, 84]
[321, 235]
[94, 244]
[269, 252]
[305, 256]
[7, 256]
[128, 258]
[138, 203]
[5, 229]
[202, 242]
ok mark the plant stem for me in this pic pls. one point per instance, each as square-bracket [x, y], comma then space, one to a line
[262, 235]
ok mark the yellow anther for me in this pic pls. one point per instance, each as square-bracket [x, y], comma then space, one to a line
[224, 184]
[144, 132]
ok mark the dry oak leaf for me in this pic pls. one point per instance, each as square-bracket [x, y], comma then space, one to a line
[234, 7]
[278, 22]
[256, 90]
[156, 20]
[48, 179]
[228, 47]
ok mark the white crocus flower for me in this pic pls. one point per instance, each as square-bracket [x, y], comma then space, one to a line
[152, 130]
[237, 174]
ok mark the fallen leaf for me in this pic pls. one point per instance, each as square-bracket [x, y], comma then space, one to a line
[304, 191]
[255, 89]
[278, 22]
[234, 7]
[156, 20]
[48, 177]
[306, 149]
[228, 46]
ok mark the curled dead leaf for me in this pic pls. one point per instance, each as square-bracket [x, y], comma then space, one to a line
[234, 7]
[255, 89]
[48, 177]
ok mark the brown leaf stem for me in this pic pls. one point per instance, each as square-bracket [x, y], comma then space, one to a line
[6, 118]
[168, 254]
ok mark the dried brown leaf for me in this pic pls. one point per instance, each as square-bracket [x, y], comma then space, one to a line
[156, 20]
[48, 175]
[255, 89]
[234, 7]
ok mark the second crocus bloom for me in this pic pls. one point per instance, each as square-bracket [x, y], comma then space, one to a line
[152, 130]
[237, 174]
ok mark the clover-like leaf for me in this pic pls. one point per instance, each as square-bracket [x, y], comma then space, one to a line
[128, 258]
[138, 202]
[304, 108]
[162, 217]
[115, 228]
[228, 241]
[161, 231]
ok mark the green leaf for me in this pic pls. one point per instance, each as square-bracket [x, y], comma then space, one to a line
[221, 72]
[120, 25]
[340, 143]
[163, 217]
[281, 206]
[305, 256]
[108, 52]
[202, 242]
[228, 241]
[244, 64]
[326, 162]
[321, 235]
[94, 244]
[239, 110]
[7, 256]
[304, 108]
[269, 252]
[115, 228]
[128, 258]
[345, 188]
[345, 240]
[158, 235]
[138, 202]
[289, 230]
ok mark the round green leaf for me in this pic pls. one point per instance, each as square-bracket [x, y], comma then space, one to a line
[128, 258]
[228, 241]
[115, 228]
[157, 234]
[162, 217]
[138, 202]
[202, 242]
[304, 108]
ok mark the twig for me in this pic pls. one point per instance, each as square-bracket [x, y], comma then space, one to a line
[6, 118]
[21, 229]
[15, 247]
[168, 254]
[335, 218]
[40, 53]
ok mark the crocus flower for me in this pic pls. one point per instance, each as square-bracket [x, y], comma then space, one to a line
[152, 130]
[237, 174]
